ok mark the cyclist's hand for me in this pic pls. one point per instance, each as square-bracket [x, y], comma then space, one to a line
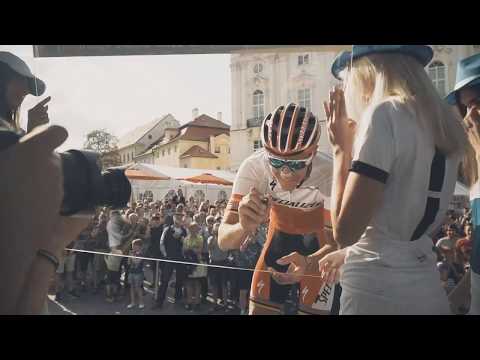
[252, 211]
[297, 265]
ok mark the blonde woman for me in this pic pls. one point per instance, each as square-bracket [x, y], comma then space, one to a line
[396, 149]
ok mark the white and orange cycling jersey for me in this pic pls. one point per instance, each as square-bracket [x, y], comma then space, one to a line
[294, 215]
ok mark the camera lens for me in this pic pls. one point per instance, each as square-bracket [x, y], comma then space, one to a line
[86, 187]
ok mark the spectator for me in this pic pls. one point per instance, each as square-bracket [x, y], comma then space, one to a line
[168, 209]
[83, 259]
[218, 276]
[70, 258]
[451, 270]
[212, 211]
[205, 232]
[65, 274]
[188, 218]
[191, 202]
[114, 229]
[136, 275]
[156, 229]
[140, 211]
[132, 230]
[203, 208]
[193, 245]
[464, 246]
[113, 275]
[178, 198]
[100, 238]
[246, 257]
[171, 246]
[449, 240]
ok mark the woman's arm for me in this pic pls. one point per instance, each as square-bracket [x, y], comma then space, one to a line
[361, 198]
[341, 164]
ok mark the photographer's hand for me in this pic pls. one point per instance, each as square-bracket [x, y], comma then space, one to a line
[31, 191]
[38, 115]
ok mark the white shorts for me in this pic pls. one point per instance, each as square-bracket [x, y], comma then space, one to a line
[393, 281]
[475, 293]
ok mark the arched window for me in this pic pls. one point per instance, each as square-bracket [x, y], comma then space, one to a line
[258, 105]
[438, 74]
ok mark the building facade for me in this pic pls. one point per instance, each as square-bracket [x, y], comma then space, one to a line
[135, 146]
[263, 81]
[203, 143]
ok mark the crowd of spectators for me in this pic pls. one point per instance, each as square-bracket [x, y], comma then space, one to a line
[453, 246]
[173, 229]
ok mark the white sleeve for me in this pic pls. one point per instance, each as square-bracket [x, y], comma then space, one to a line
[248, 176]
[374, 149]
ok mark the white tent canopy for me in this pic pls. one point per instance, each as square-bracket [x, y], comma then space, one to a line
[179, 173]
[160, 188]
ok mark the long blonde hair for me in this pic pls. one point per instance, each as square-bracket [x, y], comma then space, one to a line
[378, 77]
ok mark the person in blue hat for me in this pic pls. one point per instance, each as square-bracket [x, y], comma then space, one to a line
[397, 146]
[466, 97]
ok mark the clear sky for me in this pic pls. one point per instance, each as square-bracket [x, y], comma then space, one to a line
[119, 93]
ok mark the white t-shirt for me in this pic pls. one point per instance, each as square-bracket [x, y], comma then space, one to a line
[419, 182]
[314, 192]
[114, 230]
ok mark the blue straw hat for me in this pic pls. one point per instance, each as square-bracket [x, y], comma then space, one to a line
[423, 53]
[468, 74]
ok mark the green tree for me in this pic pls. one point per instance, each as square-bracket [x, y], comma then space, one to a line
[104, 143]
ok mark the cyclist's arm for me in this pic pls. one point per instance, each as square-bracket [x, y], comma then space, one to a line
[231, 234]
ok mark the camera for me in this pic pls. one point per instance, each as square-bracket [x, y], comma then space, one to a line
[85, 185]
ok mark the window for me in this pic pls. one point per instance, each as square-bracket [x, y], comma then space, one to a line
[303, 59]
[218, 168]
[437, 72]
[128, 157]
[175, 148]
[258, 68]
[163, 152]
[258, 105]
[257, 145]
[217, 149]
[304, 98]
[228, 149]
[123, 158]
[168, 151]
[185, 165]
